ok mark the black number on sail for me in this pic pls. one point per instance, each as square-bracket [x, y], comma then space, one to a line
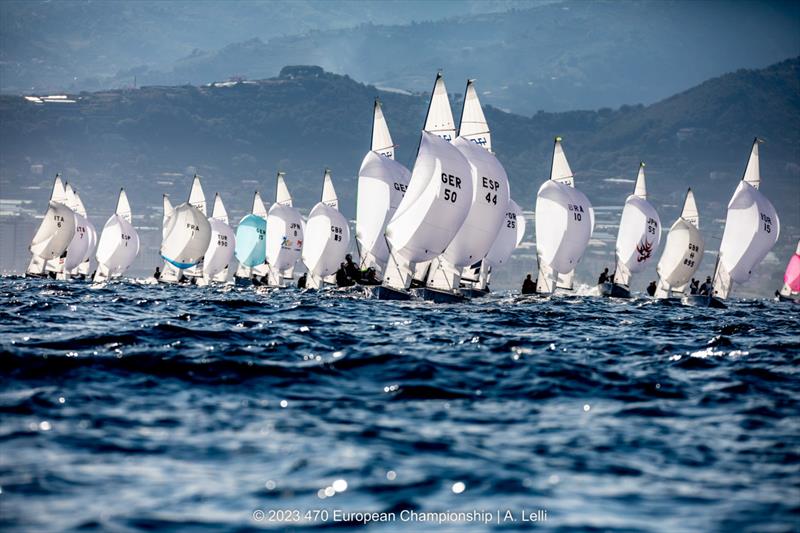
[491, 199]
[450, 195]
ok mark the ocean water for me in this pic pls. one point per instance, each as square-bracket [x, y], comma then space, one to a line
[134, 406]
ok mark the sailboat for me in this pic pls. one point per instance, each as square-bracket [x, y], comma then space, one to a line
[84, 268]
[119, 243]
[78, 248]
[751, 230]
[197, 198]
[382, 182]
[790, 292]
[435, 204]
[327, 236]
[187, 232]
[219, 253]
[284, 235]
[251, 241]
[487, 212]
[637, 240]
[507, 240]
[54, 233]
[564, 225]
[683, 252]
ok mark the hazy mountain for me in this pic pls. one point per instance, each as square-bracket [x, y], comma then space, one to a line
[551, 56]
[151, 140]
[91, 44]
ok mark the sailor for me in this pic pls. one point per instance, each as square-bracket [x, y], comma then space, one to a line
[256, 281]
[301, 283]
[694, 286]
[157, 273]
[651, 289]
[351, 269]
[342, 279]
[528, 286]
[370, 277]
[707, 287]
[603, 277]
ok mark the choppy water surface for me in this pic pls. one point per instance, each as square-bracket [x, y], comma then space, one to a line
[136, 406]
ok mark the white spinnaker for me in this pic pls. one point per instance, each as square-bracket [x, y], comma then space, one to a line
[284, 232]
[435, 205]
[473, 125]
[381, 185]
[381, 138]
[222, 242]
[487, 211]
[508, 237]
[564, 224]
[639, 233]
[439, 119]
[91, 232]
[188, 234]
[683, 251]
[751, 230]
[327, 236]
[119, 242]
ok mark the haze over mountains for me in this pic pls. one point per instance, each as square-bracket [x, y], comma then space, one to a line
[553, 56]
[237, 136]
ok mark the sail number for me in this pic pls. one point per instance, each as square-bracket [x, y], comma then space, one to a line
[453, 181]
[652, 226]
[767, 222]
[577, 211]
[222, 241]
[337, 233]
[490, 185]
[512, 220]
[59, 219]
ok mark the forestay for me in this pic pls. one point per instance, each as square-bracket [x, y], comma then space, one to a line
[683, 251]
[327, 236]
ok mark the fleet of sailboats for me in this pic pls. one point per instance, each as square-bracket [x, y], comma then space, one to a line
[435, 232]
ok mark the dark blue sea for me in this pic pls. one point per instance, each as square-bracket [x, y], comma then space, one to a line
[133, 406]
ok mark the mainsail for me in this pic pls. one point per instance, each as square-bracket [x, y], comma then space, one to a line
[564, 224]
[751, 230]
[639, 233]
[473, 125]
[683, 251]
[327, 236]
[381, 138]
[118, 244]
[284, 234]
[439, 119]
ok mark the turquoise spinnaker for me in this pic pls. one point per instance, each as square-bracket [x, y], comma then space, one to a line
[251, 241]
